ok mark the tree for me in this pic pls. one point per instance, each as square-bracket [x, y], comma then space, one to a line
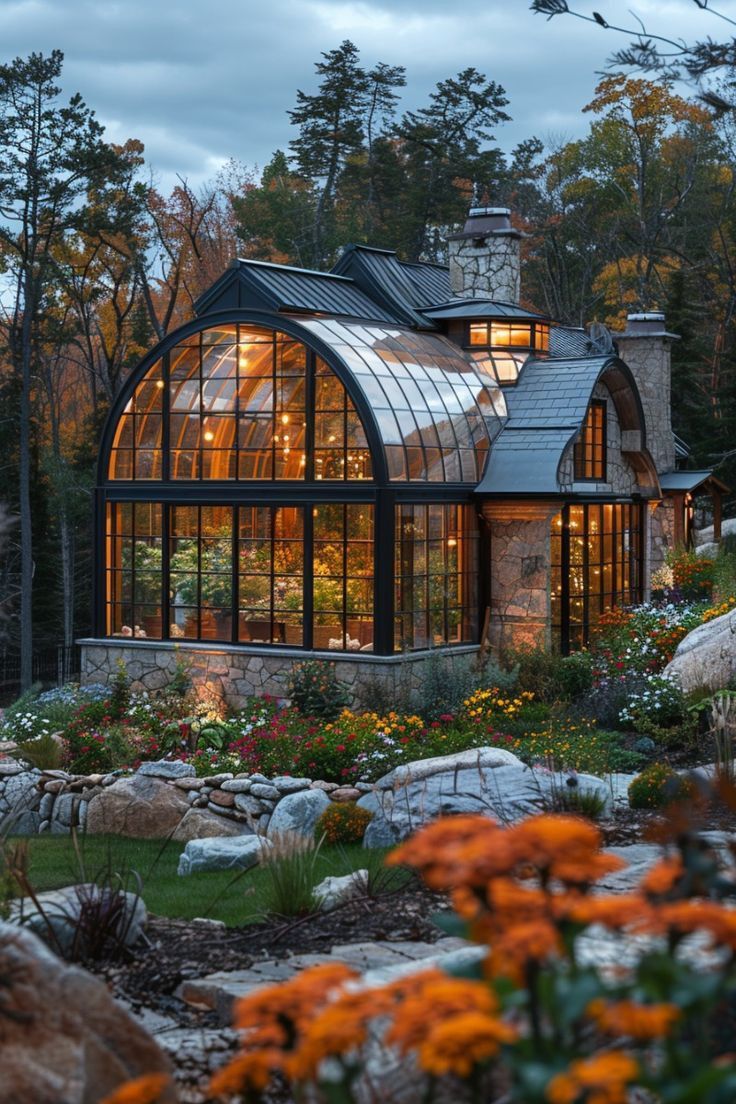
[331, 128]
[670, 58]
[51, 154]
[444, 156]
[274, 219]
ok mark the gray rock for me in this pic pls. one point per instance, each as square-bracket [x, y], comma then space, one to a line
[167, 768]
[706, 657]
[237, 785]
[23, 823]
[286, 784]
[56, 916]
[505, 792]
[260, 789]
[260, 778]
[298, 813]
[486, 758]
[139, 807]
[47, 804]
[332, 892]
[20, 791]
[65, 808]
[234, 853]
[248, 804]
[203, 824]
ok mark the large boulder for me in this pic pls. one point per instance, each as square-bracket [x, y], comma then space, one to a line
[497, 784]
[203, 824]
[236, 853]
[19, 793]
[167, 768]
[64, 1039]
[297, 814]
[706, 656]
[60, 916]
[140, 807]
[705, 535]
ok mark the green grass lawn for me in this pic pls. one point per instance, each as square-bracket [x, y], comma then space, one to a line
[236, 898]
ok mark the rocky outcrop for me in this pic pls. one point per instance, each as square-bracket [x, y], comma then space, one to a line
[64, 1039]
[140, 807]
[488, 781]
[707, 656]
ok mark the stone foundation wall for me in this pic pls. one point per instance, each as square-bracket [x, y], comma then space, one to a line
[662, 533]
[235, 674]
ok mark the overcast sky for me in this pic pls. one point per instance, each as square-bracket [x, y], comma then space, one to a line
[200, 81]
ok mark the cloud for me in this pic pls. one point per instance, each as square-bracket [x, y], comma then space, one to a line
[201, 83]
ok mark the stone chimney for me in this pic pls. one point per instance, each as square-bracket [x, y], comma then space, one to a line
[645, 346]
[485, 258]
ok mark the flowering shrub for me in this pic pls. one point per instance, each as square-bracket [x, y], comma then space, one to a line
[342, 822]
[575, 745]
[564, 1031]
[656, 787]
[692, 575]
[316, 691]
[661, 702]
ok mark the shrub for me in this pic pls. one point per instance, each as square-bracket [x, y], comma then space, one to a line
[576, 745]
[342, 822]
[290, 876]
[45, 752]
[692, 575]
[444, 686]
[316, 691]
[656, 787]
[551, 677]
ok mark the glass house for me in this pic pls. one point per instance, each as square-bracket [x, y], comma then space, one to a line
[370, 464]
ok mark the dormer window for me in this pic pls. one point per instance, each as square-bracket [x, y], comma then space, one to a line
[510, 335]
[590, 448]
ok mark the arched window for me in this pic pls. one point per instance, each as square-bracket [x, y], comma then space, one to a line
[232, 403]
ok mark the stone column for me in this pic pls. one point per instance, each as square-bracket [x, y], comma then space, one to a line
[485, 261]
[645, 345]
[520, 573]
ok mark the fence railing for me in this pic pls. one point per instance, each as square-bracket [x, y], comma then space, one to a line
[51, 666]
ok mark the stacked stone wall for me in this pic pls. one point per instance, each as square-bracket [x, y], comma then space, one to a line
[235, 674]
[490, 269]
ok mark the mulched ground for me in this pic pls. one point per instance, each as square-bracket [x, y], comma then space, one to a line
[181, 949]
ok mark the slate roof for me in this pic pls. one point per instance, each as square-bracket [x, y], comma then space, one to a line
[545, 411]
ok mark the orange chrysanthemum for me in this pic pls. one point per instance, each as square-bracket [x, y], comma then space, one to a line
[522, 945]
[458, 851]
[601, 1079]
[458, 1045]
[638, 1021]
[249, 1072]
[338, 1029]
[142, 1090]
[627, 910]
[436, 999]
[293, 1001]
[662, 877]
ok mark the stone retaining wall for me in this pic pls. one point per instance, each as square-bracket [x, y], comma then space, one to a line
[236, 673]
[54, 801]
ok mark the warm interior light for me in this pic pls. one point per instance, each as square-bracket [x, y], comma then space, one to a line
[159, 383]
[209, 435]
[284, 419]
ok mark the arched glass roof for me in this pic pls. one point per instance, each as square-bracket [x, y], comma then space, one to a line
[437, 408]
[244, 401]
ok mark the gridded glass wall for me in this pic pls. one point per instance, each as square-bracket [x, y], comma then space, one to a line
[436, 576]
[343, 576]
[589, 453]
[133, 576]
[596, 564]
[200, 572]
[236, 403]
[271, 575]
[245, 573]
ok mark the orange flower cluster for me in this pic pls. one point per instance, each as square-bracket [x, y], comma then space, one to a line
[637, 1021]
[602, 1079]
[525, 892]
[142, 1090]
[451, 1025]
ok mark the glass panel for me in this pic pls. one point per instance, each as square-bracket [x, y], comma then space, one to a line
[437, 570]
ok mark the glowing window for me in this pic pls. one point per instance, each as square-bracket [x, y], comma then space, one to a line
[590, 448]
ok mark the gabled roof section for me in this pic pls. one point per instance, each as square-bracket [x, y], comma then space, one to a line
[261, 285]
[546, 410]
[569, 341]
[402, 289]
[482, 308]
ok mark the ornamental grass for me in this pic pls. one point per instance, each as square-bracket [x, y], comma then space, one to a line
[534, 1021]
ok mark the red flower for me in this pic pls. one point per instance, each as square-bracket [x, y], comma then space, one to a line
[340, 747]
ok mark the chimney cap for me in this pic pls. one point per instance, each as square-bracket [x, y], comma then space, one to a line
[646, 316]
[479, 212]
[646, 324]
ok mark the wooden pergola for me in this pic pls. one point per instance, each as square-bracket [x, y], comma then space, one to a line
[683, 487]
